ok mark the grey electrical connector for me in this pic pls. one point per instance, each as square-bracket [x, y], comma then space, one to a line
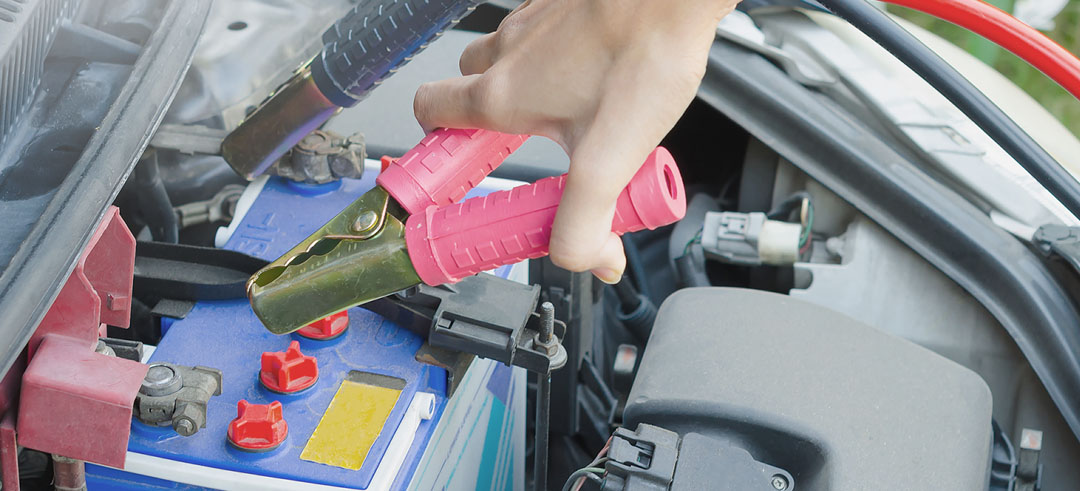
[652, 458]
[750, 239]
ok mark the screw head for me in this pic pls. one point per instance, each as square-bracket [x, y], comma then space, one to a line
[366, 222]
[779, 483]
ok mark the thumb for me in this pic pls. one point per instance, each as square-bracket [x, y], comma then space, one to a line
[612, 253]
[583, 241]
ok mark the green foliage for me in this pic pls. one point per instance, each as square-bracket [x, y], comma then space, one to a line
[1048, 93]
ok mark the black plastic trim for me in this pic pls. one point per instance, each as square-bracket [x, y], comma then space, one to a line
[48, 255]
[1006, 277]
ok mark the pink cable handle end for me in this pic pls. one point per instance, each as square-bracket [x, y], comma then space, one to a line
[445, 165]
[654, 198]
[449, 243]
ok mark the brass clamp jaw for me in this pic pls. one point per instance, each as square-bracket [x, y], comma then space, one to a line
[356, 257]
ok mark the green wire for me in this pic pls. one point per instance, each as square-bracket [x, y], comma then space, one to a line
[580, 474]
[695, 238]
[805, 235]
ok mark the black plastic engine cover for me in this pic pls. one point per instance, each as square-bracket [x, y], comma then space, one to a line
[838, 404]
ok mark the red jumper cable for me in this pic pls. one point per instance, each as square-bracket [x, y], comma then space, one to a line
[1008, 32]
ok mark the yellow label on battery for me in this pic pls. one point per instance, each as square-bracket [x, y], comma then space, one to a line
[350, 425]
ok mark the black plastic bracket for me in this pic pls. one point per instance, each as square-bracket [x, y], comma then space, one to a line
[483, 315]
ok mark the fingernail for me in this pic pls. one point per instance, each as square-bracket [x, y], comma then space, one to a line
[607, 275]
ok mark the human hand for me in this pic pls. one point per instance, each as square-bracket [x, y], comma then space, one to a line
[604, 79]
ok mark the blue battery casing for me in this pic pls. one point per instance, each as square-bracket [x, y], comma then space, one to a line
[228, 336]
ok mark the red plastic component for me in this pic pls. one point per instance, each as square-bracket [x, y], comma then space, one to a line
[1008, 32]
[445, 165]
[288, 371]
[257, 427]
[10, 385]
[326, 328]
[9, 453]
[98, 290]
[385, 162]
[452, 242]
[75, 402]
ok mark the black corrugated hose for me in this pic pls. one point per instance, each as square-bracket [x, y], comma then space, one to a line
[157, 209]
[636, 311]
[958, 90]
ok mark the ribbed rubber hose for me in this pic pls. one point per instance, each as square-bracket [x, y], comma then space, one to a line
[969, 100]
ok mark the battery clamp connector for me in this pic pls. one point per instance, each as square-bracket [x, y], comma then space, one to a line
[177, 396]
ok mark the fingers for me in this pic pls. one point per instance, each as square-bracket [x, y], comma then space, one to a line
[452, 103]
[479, 55]
[482, 52]
[603, 162]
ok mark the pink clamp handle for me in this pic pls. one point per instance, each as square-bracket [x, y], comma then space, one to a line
[445, 165]
[449, 243]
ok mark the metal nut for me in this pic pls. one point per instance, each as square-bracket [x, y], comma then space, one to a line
[554, 350]
[549, 348]
[189, 419]
[184, 427]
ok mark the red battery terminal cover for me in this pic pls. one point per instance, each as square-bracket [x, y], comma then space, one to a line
[327, 328]
[288, 371]
[257, 427]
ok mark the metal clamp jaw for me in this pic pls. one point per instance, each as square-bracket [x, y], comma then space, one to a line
[357, 256]
[483, 315]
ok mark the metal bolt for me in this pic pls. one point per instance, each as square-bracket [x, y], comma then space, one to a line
[185, 427]
[545, 340]
[159, 374]
[314, 141]
[779, 483]
[547, 322]
[366, 221]
[161, 380]
[104, 349]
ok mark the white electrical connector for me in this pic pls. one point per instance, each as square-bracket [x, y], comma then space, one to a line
[750, 239]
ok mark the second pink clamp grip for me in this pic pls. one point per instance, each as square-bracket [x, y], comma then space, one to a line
[451, 242]
[445, 165]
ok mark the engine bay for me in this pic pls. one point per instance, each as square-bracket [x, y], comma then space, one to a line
[788, 333]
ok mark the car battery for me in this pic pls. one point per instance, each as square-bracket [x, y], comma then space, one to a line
[359, 410]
